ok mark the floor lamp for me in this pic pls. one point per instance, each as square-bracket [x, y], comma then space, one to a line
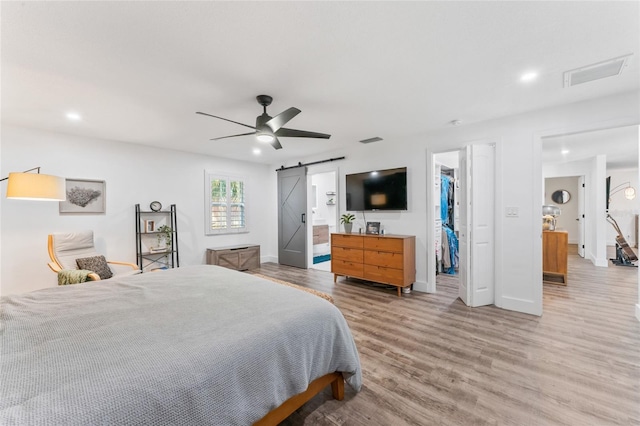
[35, 186]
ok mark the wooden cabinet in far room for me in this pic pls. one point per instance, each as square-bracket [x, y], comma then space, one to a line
[555, 246]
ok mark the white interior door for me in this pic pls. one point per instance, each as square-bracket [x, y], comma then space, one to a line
[581, 216]
[476, 238]
[463, 230]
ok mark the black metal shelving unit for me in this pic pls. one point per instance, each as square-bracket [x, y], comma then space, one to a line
[146, 259]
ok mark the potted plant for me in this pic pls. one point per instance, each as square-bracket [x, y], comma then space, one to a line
[165, 233]
[347, 220]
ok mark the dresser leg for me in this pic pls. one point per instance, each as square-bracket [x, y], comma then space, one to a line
[399, 292]
[335, 278]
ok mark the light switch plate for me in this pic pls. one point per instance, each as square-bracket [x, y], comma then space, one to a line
[512, 212]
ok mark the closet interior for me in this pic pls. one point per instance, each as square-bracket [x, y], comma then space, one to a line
[446, 213]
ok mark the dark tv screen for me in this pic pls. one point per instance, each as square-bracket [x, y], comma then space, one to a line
[377, 190]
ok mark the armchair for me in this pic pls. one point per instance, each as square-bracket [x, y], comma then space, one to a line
[66, 248]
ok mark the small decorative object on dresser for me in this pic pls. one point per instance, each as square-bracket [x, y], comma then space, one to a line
[347, 220]
[373, 228]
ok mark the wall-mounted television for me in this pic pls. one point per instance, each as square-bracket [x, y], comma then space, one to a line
[377, 190]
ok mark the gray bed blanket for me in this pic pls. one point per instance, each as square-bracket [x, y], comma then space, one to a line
[198, 345]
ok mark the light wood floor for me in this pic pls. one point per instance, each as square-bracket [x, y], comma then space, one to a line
[427, 359]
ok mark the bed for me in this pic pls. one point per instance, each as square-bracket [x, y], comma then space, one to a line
[194, 345]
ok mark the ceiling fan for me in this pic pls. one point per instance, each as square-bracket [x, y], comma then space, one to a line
[269, 129]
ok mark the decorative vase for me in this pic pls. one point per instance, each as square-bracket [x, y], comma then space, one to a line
[347, 227]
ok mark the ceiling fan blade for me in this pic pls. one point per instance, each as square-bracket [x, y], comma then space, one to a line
[293, 133]
[225, 119]
[275, 143]
[233, 136]
[281, 119]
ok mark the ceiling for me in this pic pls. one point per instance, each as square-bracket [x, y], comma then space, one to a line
[620, 145]
[138, 71]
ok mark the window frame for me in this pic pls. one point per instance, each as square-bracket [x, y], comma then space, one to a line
[208, 200]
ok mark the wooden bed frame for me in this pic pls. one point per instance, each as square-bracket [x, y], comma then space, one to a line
[277, 415]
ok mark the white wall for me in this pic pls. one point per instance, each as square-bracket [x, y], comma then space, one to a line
[622, 210]
[133, 174]
[567, 219]
[519, 184]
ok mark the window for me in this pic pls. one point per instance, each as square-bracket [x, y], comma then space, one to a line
[225, 200]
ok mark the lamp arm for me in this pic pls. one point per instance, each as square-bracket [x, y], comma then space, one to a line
[26, 171]
[619, 188]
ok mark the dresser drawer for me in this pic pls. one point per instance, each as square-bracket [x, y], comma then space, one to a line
[384, 244]
[384, 258]
[383, 275]
[341, 240]
[348, 254]
[343, 267]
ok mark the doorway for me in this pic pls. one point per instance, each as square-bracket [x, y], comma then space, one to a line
[324, 211]
[571, 206]
[470, 221]
[447, 216]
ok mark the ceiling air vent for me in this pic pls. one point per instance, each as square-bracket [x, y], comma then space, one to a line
[597, 71]
[370, 140]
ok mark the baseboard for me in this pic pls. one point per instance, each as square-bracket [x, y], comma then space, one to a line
[421, 286]
[267, 259]
[638, 311]
[520, 305]
[603, 263]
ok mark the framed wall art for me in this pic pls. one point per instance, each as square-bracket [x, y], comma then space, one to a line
[84, 196]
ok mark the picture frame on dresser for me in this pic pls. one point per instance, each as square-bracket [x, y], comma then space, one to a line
[373, 228]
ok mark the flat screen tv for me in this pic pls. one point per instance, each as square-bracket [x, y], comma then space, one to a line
[377, 190]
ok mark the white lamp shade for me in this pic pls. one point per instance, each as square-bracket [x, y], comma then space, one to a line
[36, 186]
[630, 193]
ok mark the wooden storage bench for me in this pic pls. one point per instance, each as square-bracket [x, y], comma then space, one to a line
[239, 257]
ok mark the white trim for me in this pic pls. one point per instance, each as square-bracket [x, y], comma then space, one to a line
[638, 311]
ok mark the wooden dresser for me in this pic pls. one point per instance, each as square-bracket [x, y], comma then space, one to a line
[240, 258]
[555, 255]
[387, 259]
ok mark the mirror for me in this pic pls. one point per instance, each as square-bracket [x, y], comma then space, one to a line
[561, 196]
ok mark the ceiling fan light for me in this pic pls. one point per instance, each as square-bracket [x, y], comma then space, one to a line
[265, 137]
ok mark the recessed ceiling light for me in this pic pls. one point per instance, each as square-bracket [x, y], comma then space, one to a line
[564, 152]
[256, 151]
[74, 116]
[528, 76]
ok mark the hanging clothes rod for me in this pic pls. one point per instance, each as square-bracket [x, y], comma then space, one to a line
[309, 164]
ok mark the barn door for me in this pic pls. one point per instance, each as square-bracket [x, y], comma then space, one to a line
[292, 212]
